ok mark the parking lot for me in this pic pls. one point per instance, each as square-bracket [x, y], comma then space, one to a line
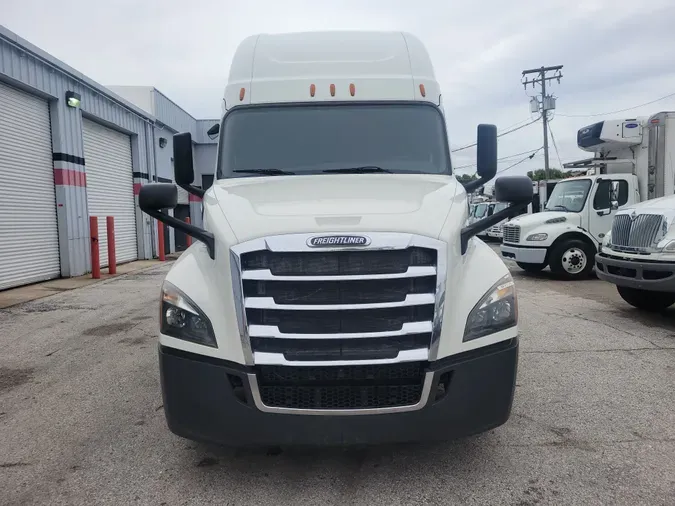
[81, 418]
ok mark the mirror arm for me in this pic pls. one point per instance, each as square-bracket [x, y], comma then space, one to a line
[471, 230]
[471, 186]
[194, 190]
[198, 233]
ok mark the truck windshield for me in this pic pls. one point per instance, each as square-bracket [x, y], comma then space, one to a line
[480, 210]
[569, 196]
[318, 139]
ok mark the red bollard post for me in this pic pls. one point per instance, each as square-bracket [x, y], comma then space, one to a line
[95, 258]
[112, 259]
[189, 237]
[160, 241]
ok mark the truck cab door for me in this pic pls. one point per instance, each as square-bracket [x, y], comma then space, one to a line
[607, 197]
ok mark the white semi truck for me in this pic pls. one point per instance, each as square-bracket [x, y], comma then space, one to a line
[567, 234]
[638, 254]
[336, 293]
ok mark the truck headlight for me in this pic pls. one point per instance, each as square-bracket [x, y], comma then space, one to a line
[182, 319]
[537, 237]
[670, 247]
[606, 241]
[497, 310]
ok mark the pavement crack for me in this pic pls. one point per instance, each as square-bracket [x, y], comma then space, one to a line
[618, 329]
[8, 465]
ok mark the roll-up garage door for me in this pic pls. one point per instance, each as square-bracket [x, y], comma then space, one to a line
[29, 242]
[110, 188]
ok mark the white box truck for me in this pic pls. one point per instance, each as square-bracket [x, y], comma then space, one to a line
[567, 234]
[638, 253]
[336, 293]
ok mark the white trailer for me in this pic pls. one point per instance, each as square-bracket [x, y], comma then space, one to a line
[336, 293]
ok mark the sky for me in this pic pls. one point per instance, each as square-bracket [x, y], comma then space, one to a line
[616, 55]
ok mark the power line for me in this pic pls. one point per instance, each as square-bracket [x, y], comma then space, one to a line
[521, 161]
[556, 148]
[498, 135]
[615, 112]
[500, 159]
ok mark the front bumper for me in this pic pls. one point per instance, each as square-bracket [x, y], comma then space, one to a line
[651, 276]
[200, 403]
[524, 255]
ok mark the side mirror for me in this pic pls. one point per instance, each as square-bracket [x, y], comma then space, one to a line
[486, 152]
[157, 196]
[213, 131]
[486, 156]
[153, 198]
[516, 190]
[513, 189]
[183, 168]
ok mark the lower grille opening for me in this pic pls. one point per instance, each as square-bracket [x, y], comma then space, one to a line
[341, 349]
[654, 275]
[341, 387]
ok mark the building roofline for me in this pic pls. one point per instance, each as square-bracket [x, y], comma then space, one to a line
[23, 45]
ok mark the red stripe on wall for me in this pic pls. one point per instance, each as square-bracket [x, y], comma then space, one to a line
[69, 177]
[137, 188]
[194, 198]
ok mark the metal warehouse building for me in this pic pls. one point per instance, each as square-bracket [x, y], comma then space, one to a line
[70, 149]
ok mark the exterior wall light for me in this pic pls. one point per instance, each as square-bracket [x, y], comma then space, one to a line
[73, 99]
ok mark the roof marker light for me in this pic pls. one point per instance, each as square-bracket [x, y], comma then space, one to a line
[312, 90]
[332, 90]
[242, 92]
[352, 89]
[423, 91]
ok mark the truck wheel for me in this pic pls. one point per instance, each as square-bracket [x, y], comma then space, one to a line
[572, 259]
[533, 268]
[646, 300]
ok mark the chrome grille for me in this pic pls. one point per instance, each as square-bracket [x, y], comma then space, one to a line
[374, 306]
[636, 234]
[511, 233]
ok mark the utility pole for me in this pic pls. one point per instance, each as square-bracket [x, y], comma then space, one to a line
[547, 101]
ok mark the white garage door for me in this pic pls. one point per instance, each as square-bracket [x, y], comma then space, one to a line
[29, 242]
[110, 188]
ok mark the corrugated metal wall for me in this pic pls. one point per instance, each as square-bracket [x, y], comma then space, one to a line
[31, 69]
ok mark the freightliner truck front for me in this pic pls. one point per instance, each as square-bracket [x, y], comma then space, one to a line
[336, 292]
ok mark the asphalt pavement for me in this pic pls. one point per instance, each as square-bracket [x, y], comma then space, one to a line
[81, 418]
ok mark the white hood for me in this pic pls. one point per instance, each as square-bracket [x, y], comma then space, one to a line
[654, 205]
[530, 221]
[259, 206]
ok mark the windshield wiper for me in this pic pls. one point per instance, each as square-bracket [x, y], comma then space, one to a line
[558, 205]
[365, 169]
[266, 172]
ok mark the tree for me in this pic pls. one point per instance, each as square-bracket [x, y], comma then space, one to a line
[466, 178]
[540, 174]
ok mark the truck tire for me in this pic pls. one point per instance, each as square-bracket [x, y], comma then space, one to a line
[572, 259]
[646, 300]
[532, 268]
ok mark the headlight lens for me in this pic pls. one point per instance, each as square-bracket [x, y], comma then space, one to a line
[182, 319]
[537, 237]
[670, 247]
[497, 310]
